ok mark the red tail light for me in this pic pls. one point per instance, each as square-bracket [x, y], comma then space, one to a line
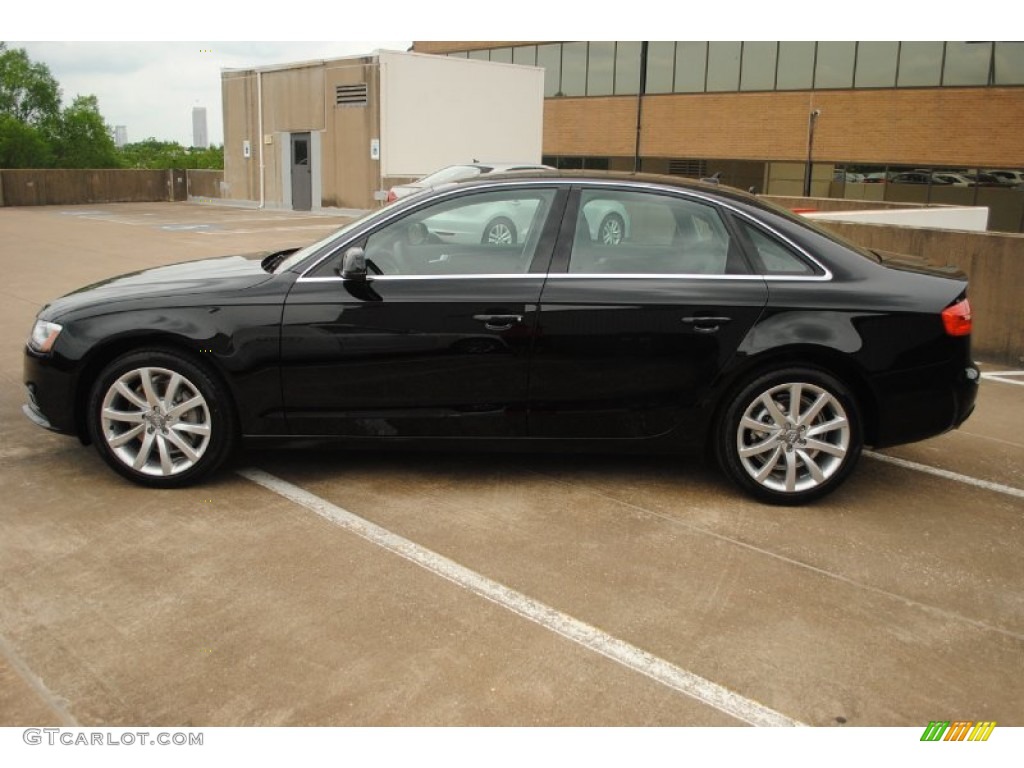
[392, 196]
[957, 318]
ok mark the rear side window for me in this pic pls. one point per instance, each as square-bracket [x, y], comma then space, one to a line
[771, 256]
[635, 233]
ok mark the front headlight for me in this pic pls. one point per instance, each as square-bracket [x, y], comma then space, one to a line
[44, 334]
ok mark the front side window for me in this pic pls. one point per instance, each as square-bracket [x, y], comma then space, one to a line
[493, 232]
[633, 233]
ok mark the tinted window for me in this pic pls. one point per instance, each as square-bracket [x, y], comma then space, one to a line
[834, 67]
[550, 57]
[627, 67]
[796, 66]
[661, 60]
[920, 64]
[774, 257]
[691, 61]
[574, 69]
[1009, 64]
[758, 66]
[486, 233]
[525, 54]
[627, 233]
[601, 69]
[876, 64]
[724, 66]
[502, 54]
[967, 63]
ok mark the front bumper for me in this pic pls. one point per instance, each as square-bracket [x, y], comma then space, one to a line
[50, 391]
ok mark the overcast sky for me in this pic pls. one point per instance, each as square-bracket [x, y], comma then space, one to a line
[151, 87]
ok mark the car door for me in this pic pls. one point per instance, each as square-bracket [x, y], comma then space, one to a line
[633, 331]
[434, 341]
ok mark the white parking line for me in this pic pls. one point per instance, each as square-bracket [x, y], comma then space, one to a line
[1005, 377]
[945, 473]
[592, 638]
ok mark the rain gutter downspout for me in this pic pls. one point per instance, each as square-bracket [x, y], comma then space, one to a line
[259, 136]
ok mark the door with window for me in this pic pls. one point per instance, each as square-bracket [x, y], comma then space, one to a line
[435, 342]
[648, 298]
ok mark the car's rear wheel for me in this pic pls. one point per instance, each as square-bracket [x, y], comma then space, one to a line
[160, 419]
[790, 436]
[501, 231]
[611, 230]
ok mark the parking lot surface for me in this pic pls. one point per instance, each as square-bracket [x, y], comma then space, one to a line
[315, 587]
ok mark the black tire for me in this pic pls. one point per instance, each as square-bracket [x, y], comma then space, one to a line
[797, 457]
[160, 418]
[611, 230]
[500, 231]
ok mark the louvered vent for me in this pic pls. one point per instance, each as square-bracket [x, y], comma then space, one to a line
[350, 95]
[695, 168]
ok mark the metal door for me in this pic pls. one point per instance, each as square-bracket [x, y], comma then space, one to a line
[302, 179]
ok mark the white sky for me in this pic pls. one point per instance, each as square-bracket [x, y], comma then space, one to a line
[151, 87]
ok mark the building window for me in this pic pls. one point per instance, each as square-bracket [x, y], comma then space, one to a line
[601, 69]
[525, 54]
[796, 66]
[503, 55]
[627, 67]
[1009, 64]
[920, 64]
[758, 72]
[724, 66]
[876, 64]
[550, 58]
[482, 55]
[574, 69]
[691, 65]
[661, 60]
[967, 63]
[834, 66]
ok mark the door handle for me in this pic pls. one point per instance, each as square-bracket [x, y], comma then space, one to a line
[499, 322]
[705, 324]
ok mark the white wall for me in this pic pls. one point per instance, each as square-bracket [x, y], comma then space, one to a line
[938, 217]
[441, 110]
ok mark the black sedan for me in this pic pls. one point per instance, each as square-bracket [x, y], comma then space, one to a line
[719, 325]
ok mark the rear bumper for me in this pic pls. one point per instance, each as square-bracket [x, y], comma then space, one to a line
[915, 405]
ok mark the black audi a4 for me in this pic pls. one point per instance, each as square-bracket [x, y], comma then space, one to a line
[543, 311]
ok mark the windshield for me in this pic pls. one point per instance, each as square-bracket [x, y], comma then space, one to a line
[302, 253]
[451, 173]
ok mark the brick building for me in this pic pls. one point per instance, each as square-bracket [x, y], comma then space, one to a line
[876, 120]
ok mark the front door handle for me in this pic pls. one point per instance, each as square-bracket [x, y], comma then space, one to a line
[499, 322]
[705, 324]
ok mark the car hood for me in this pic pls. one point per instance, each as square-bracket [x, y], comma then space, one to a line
[220, 275]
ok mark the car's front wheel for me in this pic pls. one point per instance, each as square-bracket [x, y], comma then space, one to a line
[160, 419]
[790, 436]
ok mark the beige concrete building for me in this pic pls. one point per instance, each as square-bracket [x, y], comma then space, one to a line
[339, 133]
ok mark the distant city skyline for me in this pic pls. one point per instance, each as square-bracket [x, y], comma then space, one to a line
[200, 137]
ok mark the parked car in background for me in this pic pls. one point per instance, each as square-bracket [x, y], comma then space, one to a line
[718, 324]
[952, 179]
[458, 173]
[1009, 178]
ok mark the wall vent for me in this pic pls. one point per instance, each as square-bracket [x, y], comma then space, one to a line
[350, 95]
[695, 168]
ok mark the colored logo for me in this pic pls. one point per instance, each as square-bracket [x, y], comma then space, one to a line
[958, 730]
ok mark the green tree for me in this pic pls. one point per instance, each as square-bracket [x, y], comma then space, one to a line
[28, 92]
[82, 138]
[152, 153]
[23, 146]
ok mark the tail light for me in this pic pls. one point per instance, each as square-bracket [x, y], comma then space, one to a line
[392, 196]
[957, 318]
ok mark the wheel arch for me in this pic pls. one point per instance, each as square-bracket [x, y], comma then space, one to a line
[109, 350]
[825, 359]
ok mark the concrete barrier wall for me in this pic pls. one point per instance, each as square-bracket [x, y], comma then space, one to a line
[203, 183]
[994, 263]
[82, 187]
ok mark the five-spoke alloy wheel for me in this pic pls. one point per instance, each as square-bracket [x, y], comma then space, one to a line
[160, 419]
[791, 436]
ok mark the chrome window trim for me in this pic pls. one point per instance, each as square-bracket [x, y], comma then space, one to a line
[584, 184]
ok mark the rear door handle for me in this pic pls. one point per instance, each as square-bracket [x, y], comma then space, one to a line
[499, 322]
[705, 324]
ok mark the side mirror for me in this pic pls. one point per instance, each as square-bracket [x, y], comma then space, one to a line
[353, 265]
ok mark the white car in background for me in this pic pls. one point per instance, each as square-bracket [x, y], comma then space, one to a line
[459, 173]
